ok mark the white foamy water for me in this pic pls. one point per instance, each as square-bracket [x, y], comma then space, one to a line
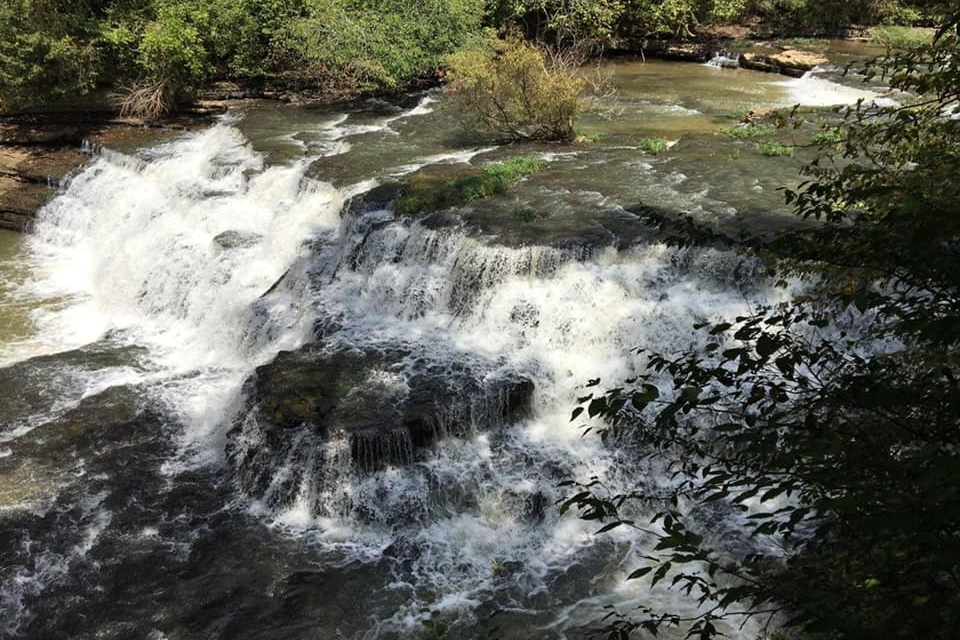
[815, 91]
[169, 252]
[539, 311]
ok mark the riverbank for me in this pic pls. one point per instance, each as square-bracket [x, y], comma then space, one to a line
[37, 150]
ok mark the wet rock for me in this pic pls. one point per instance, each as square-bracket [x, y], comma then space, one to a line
[799, 60]
[37, 151]
[17, 218]
[321, 410]
[687, 52]
[534, 508]
[236, 239]
[791, 62]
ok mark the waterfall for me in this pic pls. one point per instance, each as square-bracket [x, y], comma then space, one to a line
[454, 362]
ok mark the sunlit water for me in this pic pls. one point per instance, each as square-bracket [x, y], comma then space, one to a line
[154, 284]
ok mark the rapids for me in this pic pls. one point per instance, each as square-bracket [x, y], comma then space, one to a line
[148, 488]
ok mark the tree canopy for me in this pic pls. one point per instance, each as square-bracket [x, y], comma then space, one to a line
[156, 52]
[829, 427]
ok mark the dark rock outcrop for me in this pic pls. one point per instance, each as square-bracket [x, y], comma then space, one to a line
[360, 409]
[233, 239]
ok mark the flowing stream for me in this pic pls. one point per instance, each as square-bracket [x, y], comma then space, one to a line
[240, 397]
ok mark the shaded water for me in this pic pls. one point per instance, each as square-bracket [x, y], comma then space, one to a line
[147, 490]
[14, 315]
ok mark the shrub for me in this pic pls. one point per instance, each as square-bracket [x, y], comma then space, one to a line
[832, 135]
[901, 37]
[515, 91]
[367, 44]
[749, 131]
[654, 145]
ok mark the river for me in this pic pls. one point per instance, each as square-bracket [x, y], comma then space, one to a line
[241, 398]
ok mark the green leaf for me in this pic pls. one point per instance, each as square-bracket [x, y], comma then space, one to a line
[639, 573]
[766, 346]
[609, 527]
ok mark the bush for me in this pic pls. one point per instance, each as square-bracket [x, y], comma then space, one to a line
[45, 53]
[901, 37]
[372, 44]
[515, 90]
[654, 145]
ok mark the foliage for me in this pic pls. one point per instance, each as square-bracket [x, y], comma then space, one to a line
[153, 52]
[899, 37]
[156, 52]
[828, 427]
[45, 52]
[671, 18]
[654, 145]
[560, 22]
[515, 90]
[493, 179]
[826, 17]
[830, 135]
[369, 44]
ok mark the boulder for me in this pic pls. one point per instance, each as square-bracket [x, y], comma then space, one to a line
[791, 62]
[797, 60]
[233, 239]
[361, 409]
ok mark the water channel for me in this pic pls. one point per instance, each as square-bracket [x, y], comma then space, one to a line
[161, 478]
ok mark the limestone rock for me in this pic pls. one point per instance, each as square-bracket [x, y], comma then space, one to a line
[791, 62]
[798, 60]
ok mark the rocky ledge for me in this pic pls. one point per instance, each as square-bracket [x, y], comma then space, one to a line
[37, 152]
[325, 410]
[790, 62]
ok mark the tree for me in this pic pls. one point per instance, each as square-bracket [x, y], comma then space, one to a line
[830, 427]
[516, 90]
[46, 52]
[560, 22]
[155, 53]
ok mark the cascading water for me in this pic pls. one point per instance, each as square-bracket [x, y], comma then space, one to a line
[256, 405]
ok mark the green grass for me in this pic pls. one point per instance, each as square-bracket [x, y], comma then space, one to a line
[654, 145]
[529, 214]
[493, 179]
[749, 131]
[513, 169]
[901, 37]
[832, 135]
[774, 149]
[590, 137]
[801, 42]
[737, 114]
